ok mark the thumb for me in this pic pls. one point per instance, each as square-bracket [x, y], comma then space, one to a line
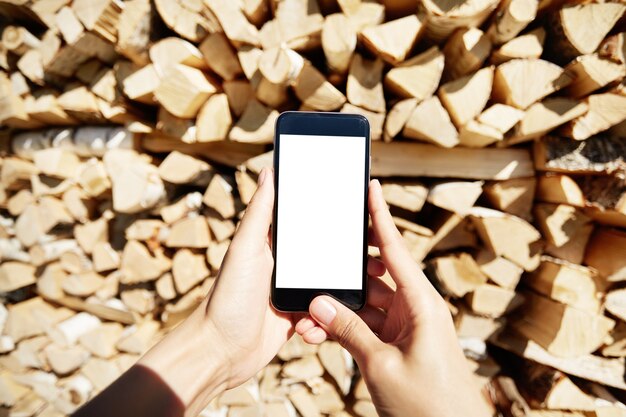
[257, 219]
[345, 326]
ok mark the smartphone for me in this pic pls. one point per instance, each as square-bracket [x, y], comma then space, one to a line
[321, 178]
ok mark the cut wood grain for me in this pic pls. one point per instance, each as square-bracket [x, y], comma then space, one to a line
[392, 41]
[443, 17]
[184, 90]
[364, 87]
[544, 116]
[493, 301]
[457, 274]
[514, 196]
[521, 82]
[568, 283]
[579, 29]
[553, 326]
[417, 77]
[495, 228]
[466, 97]
[592, 72]
[339, 41]
[397, 118]
[605, 110]
[312, 88]
[528, 45]
[455, 196]
[430, 122]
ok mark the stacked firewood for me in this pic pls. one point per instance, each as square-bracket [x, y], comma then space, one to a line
[132, 133]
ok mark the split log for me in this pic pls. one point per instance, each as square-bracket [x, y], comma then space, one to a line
[101, 18]
[397, 118]
[559, 189]
[90, 233]
[315, 92]
[185, 18]
[297, 23]
[218, 196]
[138, 265]
[101, 340]
[414, 160]
[465, 52]
[141, 85]
[544, 116]
[184, 90]
[559, 223]
[191, 232]
[220, 57]
[466, 97]
[521, 82]
[551, 389]
[239, 93]
[376, 120]
[188, 204]
[579, 29]
[605, 252]
[455, 196]
[443, 18]
[364, 87]
[135, 183]
[592, 72]
[176, 127]
[493, 301]
[498, 269]
[133, 35]
[417, 77]
[513, 196]
[495, 229]
[362, 14]
[608, 372]
[430, 122]
[605, 199]
[605, 110]
[408, 196]
[83, 284]
[615, 303]
[167, 53]
[41, 254]
[596, 155]
[15, 275]
[256, 124]
[392, 41]
[338, 41]
[554, 326]
[479, 135]
[456, 274]
[568, 283]
[234, 23]
[105, 258]
[19, 40]
[511, 18]
[528, 45]
[179, 168]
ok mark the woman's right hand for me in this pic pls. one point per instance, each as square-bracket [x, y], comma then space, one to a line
[403, 341]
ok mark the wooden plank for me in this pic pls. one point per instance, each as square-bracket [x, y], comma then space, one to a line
[415, 160]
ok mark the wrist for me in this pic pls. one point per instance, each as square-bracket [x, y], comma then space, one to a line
[191, 362]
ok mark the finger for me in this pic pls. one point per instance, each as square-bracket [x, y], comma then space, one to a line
[379, 294]
[375, 267]
[371, 237]
[393, 251]
[374, 318]
[343, 325]
[315, 336]
[255, 225]
[305, 324]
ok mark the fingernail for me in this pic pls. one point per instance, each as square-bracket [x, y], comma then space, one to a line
[323, 311]
[262, 176]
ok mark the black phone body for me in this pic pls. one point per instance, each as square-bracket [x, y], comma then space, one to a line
[321, 179]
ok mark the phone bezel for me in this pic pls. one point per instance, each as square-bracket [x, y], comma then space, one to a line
[328, 124]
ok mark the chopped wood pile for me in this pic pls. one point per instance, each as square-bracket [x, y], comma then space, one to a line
[132, 133]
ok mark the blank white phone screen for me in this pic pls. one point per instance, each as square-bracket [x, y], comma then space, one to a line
[321, 198]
